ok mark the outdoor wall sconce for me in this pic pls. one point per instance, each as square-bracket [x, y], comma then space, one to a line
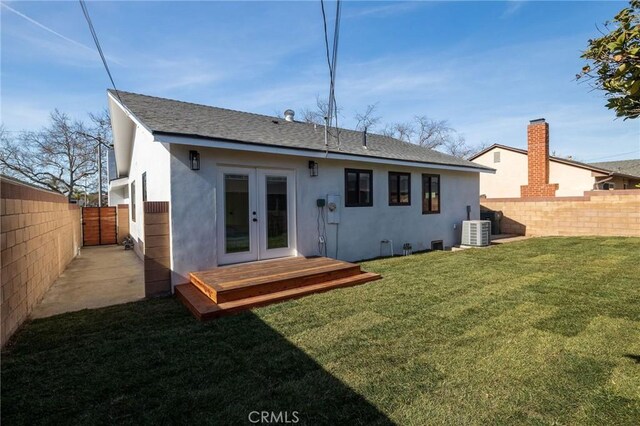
[194, 160]
[313, 168]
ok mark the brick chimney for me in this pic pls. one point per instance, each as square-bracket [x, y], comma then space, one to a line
[538, 157]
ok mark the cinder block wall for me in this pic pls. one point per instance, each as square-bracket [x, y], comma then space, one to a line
[610, 213]
[40, 235]
[157, 251]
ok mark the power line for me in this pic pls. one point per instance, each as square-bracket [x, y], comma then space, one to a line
[332, 108]
[336, 37]
[85, 11]
[613, 156]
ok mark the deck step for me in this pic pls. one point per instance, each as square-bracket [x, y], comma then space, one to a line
[204, 308]
[271, 280]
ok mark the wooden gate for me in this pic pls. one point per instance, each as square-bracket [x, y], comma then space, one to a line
[98, 226]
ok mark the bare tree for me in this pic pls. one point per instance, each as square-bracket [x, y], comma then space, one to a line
[403, 131]
[432, 134]
[100, 133]
[59, 157]
[367, 119]
[421, 130]
[316, 115]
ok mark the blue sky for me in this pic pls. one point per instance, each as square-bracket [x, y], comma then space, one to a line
[487, 67]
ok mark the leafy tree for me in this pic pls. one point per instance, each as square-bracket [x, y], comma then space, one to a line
[615, 62]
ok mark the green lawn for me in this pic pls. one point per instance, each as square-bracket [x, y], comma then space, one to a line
[537, 332]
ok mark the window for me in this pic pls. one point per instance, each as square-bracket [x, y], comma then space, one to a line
[133, 201]
[430, 194]
[496, 157]
[358, 188]
[399, 189]
[608, 185]
[144, 186]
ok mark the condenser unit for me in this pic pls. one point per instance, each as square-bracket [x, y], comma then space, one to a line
[476, 233]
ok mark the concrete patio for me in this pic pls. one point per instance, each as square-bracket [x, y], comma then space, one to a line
[99, 276]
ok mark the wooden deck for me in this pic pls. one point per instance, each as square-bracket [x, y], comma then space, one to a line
[235, 288]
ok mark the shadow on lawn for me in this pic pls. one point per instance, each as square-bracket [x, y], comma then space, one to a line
[151, 362]
[635, 358]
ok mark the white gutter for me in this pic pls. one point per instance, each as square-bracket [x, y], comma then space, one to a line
[301, 152]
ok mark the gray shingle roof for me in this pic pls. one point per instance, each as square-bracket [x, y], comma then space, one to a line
[627, 167]
[169, 116]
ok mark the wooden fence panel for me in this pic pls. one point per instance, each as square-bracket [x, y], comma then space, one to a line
[98, 226]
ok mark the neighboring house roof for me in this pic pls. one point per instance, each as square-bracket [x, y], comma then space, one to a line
[596, 167]
[171, 117]
[628, 167]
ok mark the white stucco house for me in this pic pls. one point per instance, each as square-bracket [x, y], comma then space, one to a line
[244, 187]
[533, 172]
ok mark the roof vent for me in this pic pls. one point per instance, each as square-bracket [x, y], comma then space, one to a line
[288, 114]
[364, 138]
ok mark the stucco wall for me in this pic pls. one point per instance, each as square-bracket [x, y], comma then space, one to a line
[153, 158]
[193, 212]
[40, 235]
[572, 181]
[511, 174]
[119, 195]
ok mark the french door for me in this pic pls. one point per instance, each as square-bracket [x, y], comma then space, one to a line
[256, 214]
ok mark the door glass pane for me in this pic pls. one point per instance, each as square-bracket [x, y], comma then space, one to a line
[236, 215]
[277, 216]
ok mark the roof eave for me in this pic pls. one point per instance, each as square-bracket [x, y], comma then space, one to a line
[204, 141]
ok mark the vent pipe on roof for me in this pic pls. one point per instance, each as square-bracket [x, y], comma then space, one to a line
[288, 115]
[364, 138]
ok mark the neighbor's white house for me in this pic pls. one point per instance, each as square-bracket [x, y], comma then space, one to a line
[534, 173]
[243, 187]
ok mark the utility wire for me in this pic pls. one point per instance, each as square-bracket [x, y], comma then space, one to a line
[613, 156]
[85, 11]
[336, 37]
[332, 108]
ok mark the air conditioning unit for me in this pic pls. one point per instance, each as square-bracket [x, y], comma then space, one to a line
[476, 233]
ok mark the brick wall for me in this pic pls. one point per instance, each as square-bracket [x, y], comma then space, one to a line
[611, 213]
[157, 258]
[40, 235]
[123, 222]
[538, 162]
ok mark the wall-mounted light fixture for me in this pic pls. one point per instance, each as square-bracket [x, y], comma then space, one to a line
[313, 168]
[194, 160]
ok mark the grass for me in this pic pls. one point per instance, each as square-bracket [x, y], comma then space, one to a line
[537, 332]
